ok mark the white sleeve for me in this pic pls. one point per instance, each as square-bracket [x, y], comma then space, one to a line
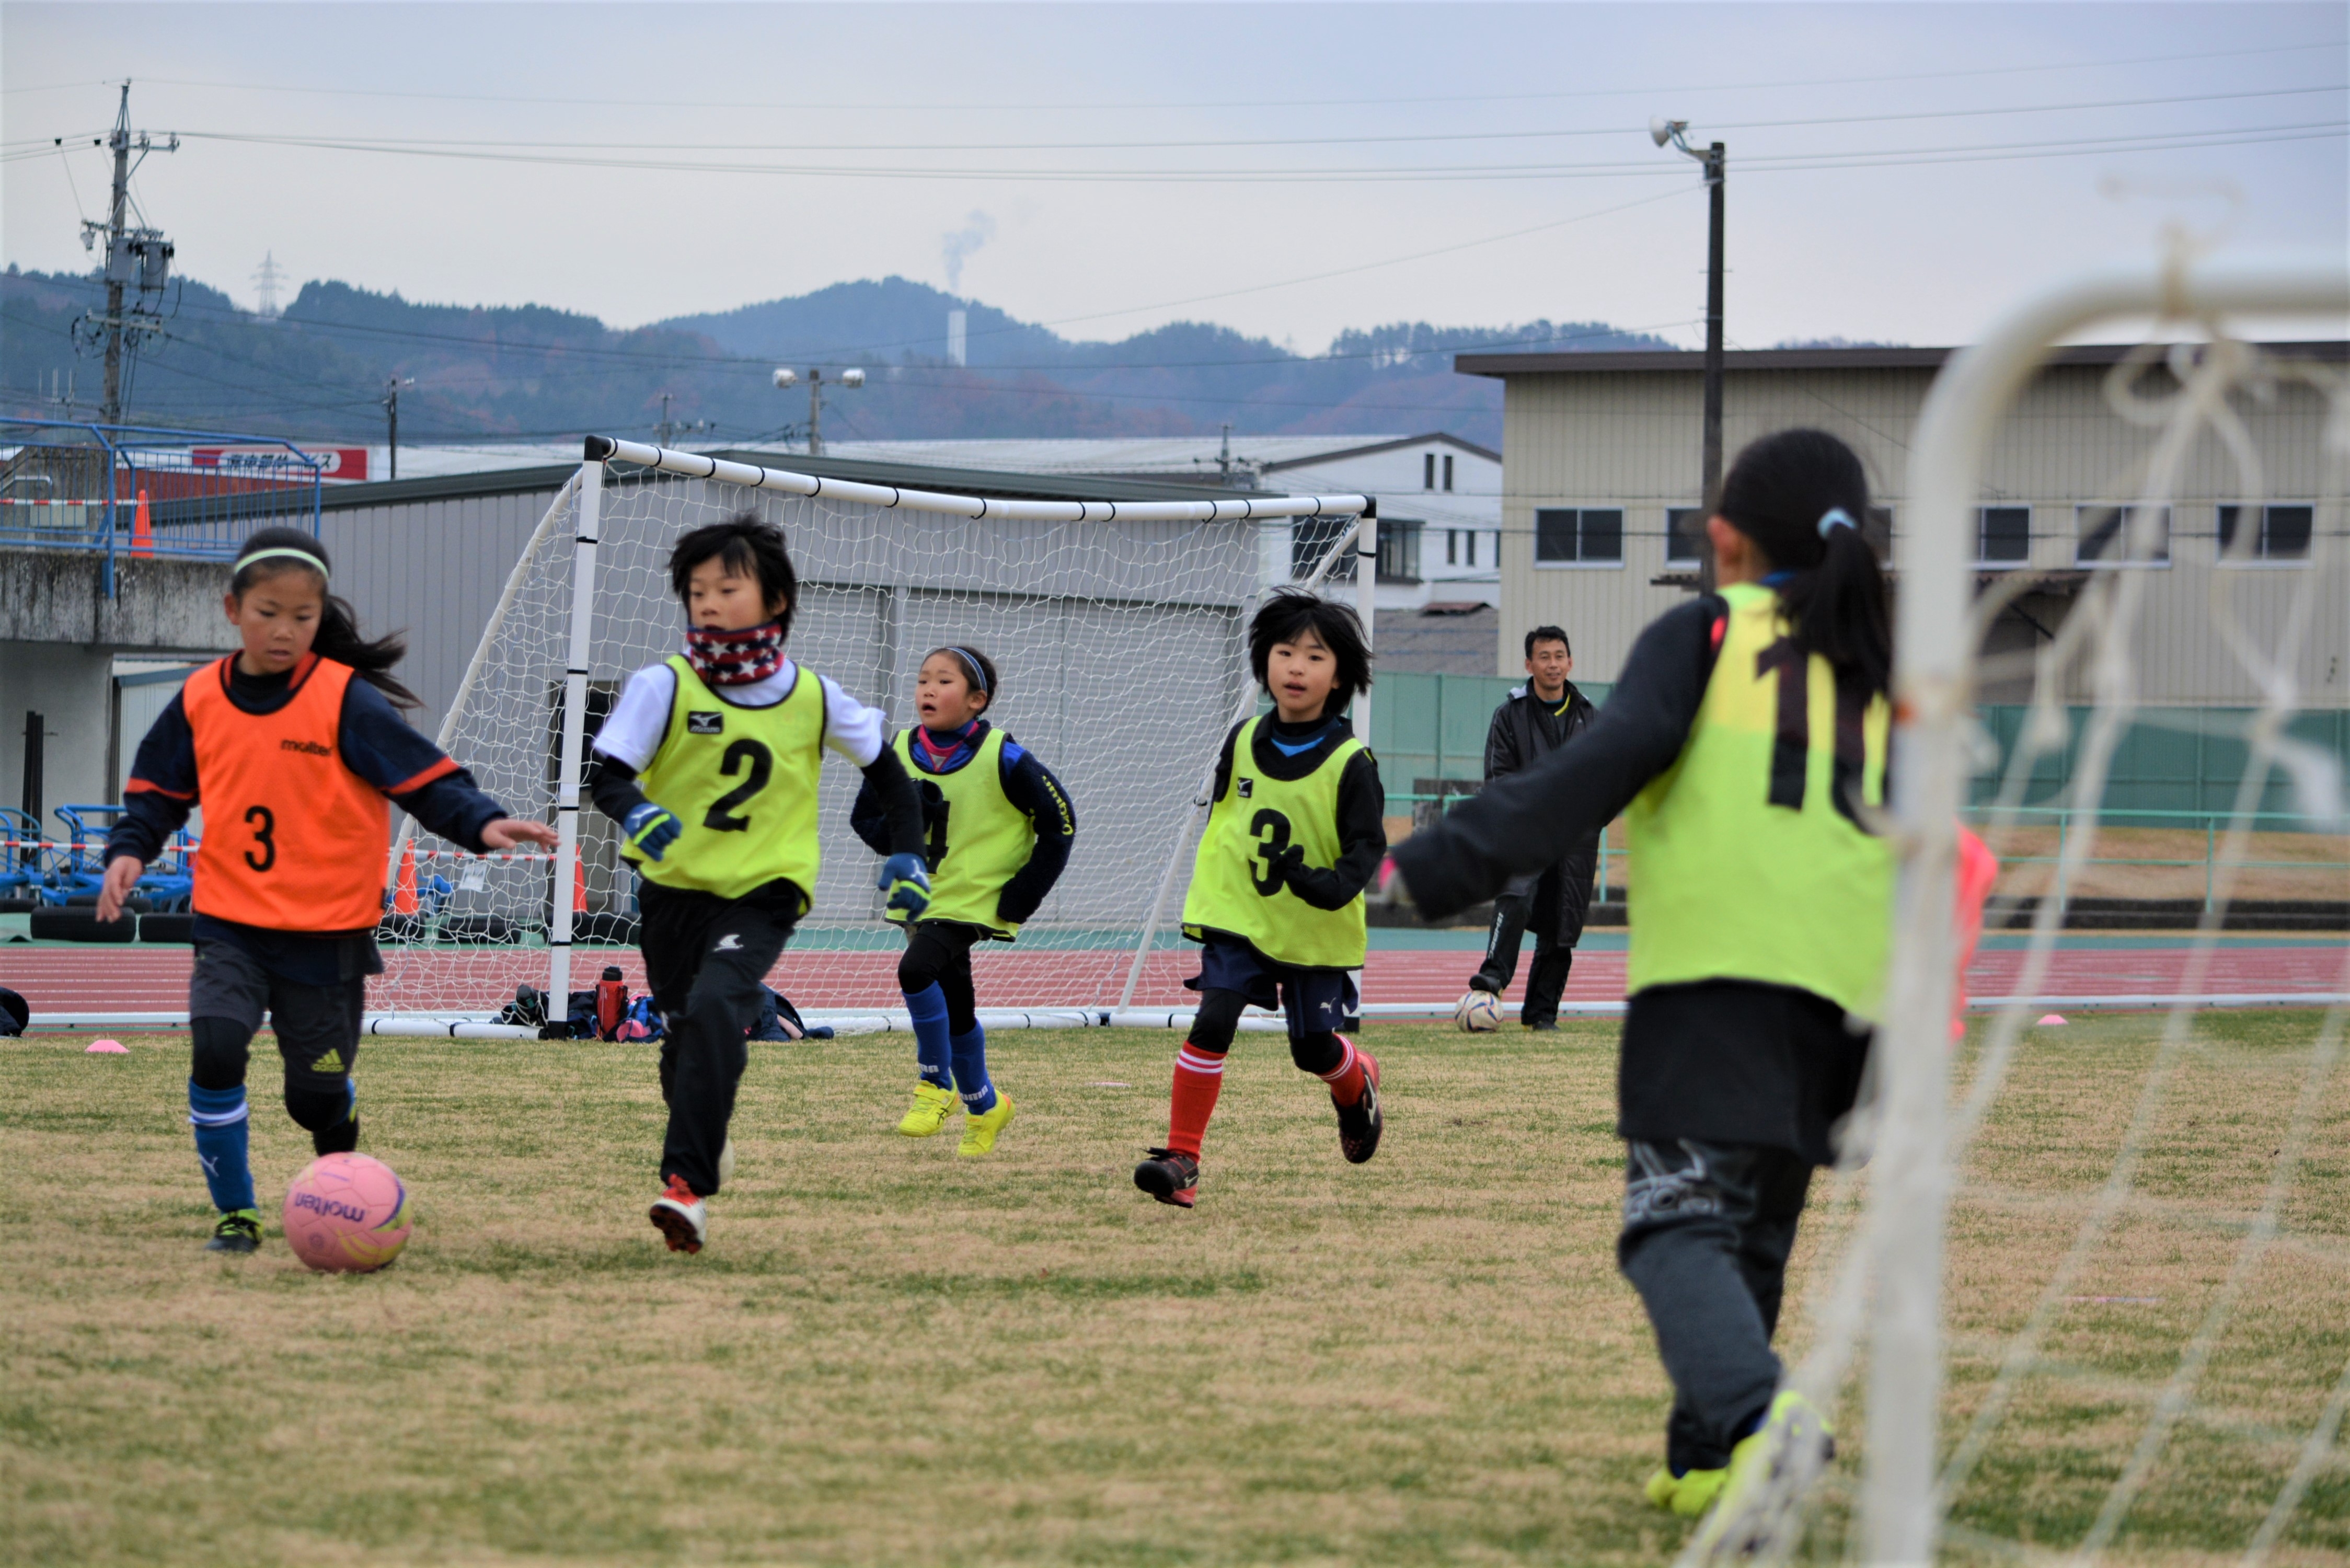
[640, 717]
[856, 732]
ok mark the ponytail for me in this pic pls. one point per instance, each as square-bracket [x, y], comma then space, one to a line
[1802, 495]
[273, 551]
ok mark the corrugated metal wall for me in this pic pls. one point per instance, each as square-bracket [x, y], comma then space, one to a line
[1631, 439]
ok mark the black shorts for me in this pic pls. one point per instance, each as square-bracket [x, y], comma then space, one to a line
[1315, 1001]
[318, 1026]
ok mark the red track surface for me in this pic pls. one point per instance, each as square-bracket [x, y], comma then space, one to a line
[155, 980]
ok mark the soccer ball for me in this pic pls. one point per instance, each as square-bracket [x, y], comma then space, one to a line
[1478, 1012]
[347, 1214]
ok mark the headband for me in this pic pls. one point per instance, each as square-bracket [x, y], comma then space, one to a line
[303, 556]
[1836, 517]
[978, 670]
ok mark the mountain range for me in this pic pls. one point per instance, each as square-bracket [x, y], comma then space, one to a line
[319, 371]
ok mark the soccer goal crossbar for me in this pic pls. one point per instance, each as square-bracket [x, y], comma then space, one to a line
[1119, 626]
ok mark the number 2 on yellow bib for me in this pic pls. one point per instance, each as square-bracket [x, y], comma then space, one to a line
[761, 764]
[1272, 831]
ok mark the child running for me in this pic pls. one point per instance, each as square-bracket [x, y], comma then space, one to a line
[291, 745]
[708, 765]
[1000, 830]
[1296, 829]
[1743, 744]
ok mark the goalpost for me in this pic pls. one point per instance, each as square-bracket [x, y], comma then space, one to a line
[1880, 1317]
[1119, 627]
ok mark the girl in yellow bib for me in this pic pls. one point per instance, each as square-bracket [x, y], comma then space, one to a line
[1744, 747]
[1296, 829]
[708, 765]
[998, 829]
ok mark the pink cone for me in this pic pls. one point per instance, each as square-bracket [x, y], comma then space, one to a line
[106, 1048]
[2050, 1020]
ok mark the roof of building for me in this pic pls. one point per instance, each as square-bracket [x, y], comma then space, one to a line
[1690, 361]
[1437, 639]
[1183, 459]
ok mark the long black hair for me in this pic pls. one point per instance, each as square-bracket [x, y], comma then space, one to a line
[273, 552]
[748, 545]
[1802, 496]
[1288, 613]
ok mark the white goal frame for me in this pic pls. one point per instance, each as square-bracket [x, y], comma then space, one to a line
[1933, 698]
[583, 493]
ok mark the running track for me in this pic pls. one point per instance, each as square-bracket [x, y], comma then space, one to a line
[107, 980]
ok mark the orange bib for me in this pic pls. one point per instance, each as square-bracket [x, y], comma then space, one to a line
[293, 840]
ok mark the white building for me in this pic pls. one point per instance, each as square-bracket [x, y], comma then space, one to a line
[1439, 497]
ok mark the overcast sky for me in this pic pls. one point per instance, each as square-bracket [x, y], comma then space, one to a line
[1113, 167]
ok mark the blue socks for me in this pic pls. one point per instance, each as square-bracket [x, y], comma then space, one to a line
[221, 1120]
[970, 1072]
[931, 1049]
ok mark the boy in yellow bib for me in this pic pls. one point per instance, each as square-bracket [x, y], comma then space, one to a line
[1744, 746]
[999, 828]
[1296, 829]
[708, 765]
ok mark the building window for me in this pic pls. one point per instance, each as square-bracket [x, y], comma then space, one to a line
[1684, 535]
[1428, 471]
[2003, 534]
[2285, 534]
[1452, 546]
[1447, 471]
[1589, 536]
[2105, 535]
[1399, 551]
[1473, 548]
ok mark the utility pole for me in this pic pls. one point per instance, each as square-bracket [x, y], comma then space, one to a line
[391, 386]
[139, 256]
[786, 376]
[1713, 160]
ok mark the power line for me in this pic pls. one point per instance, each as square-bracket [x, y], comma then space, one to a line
[1069, 106]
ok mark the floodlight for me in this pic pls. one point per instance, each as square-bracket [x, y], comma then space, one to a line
[786, 376]
[852, 377]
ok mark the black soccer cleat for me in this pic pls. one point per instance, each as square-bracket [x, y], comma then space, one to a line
[239, 1232]
[1170, 1177]
[1360, 1124]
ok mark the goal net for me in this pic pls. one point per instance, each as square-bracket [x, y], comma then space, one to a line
[2076, 1292]
[1119, 628]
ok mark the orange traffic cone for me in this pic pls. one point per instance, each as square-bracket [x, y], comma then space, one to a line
[142, 528]
[579, 887]
[403, 892]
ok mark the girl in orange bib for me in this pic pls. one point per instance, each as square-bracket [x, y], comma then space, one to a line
[295, 748]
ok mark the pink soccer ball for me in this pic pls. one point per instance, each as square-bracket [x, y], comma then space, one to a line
[347, 1214]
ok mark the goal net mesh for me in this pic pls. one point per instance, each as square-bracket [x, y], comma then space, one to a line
[1120, 648]
[2141, 1333]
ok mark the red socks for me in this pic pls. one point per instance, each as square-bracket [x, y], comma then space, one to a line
[1346, 1079]
[1197, 1076]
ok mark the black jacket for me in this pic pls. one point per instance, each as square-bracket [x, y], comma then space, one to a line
[1524, 730]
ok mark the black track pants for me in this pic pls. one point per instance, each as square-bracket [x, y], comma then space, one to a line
[706, 959]
[1707, 1230]
[1553, 960]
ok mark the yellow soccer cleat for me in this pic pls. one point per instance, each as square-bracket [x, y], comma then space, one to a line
[979, 1132]
[928, 1111]
[1695, 1491]
[1769, 1472]
[1659, 1488]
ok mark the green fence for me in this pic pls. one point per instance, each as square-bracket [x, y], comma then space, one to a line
[2189, 760]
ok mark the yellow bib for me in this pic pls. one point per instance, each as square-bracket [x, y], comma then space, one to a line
[978, 842]
[1748, 858]
[1256, 819]
[742, 781]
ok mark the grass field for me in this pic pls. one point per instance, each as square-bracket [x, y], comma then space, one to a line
[888, 1354]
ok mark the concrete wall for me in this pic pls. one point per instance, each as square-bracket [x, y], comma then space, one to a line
[1631, 439]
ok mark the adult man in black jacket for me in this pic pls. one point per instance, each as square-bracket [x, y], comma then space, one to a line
[1538, 718]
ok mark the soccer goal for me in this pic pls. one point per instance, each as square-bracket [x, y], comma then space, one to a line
[1119, 627]
[2078, 1292]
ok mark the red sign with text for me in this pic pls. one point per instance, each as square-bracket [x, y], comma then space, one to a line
[345, 462]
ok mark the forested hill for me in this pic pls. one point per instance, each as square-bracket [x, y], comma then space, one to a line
[320, 369]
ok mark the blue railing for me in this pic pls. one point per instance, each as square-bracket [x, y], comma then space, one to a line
[147, 491]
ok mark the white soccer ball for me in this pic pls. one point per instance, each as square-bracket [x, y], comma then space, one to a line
[1478, 1012]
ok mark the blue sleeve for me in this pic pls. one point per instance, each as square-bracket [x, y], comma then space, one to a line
[385, 750]
[1033, 789]
[161, 789]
